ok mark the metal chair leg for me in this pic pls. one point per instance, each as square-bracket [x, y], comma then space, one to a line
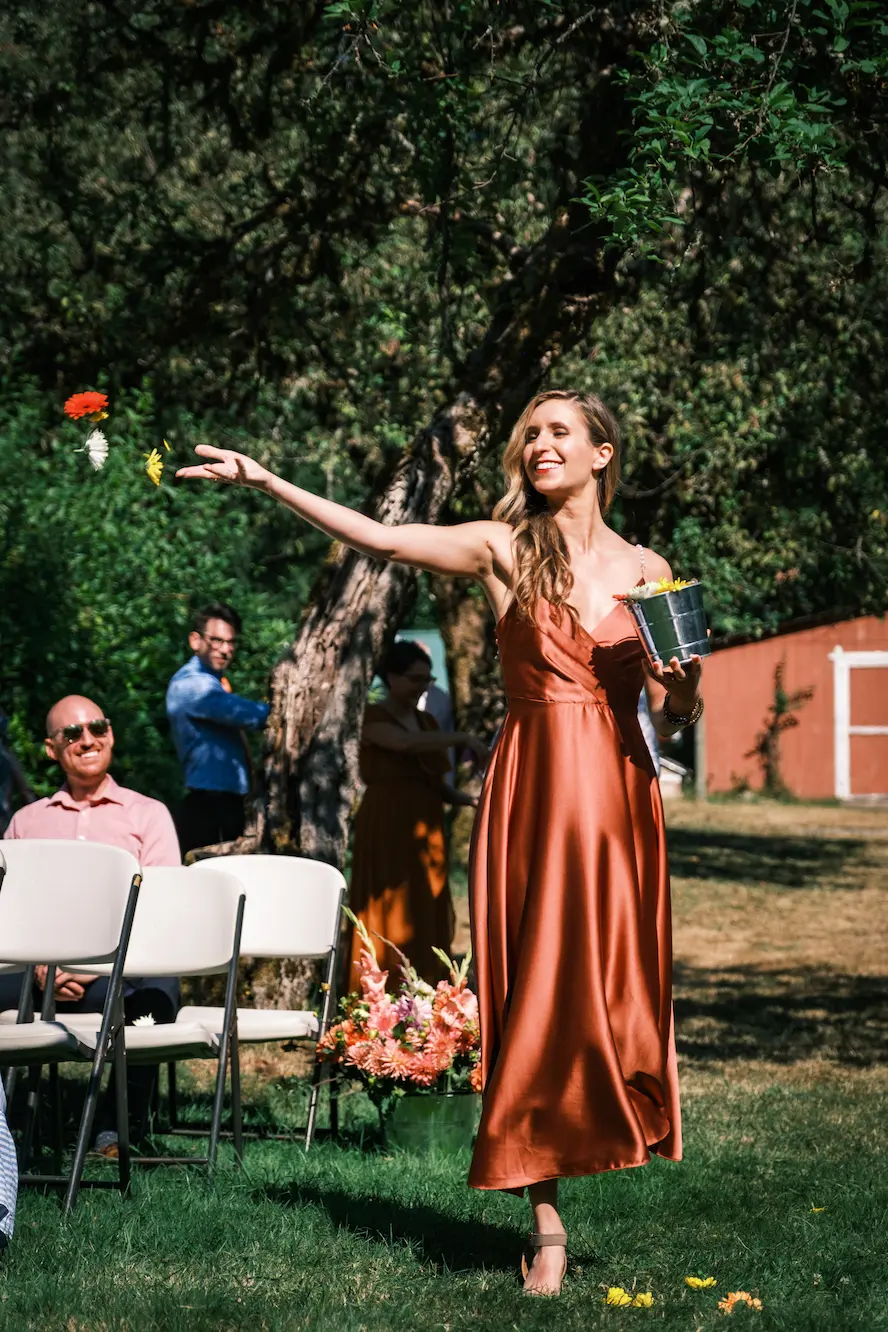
[112, 1024]
[334, 1107]
[218, 1100]
[237, 1125]
[172, 1098]
[55, 1091]
[121, 1101]
[32, 1108]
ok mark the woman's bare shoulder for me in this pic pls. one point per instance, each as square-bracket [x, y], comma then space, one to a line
[656, 566]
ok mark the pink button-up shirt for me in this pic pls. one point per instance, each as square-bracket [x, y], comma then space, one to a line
[117, 817]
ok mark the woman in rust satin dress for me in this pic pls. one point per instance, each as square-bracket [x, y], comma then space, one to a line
[399, 885]
[569, 882]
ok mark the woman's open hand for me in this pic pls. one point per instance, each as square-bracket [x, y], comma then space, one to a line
[235, 469]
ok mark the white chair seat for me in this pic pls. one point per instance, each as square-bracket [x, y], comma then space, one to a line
[256, 1024]
[152, 1044]
[53, 1041]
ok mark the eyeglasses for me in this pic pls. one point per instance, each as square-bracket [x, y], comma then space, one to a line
[219, 643]
[72, 733]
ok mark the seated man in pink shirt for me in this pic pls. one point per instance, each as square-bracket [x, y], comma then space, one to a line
[91, 807]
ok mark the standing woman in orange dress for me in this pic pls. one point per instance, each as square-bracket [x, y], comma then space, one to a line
[569, 878]
[399, 883]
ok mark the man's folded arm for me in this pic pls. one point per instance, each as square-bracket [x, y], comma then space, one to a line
[210, 702]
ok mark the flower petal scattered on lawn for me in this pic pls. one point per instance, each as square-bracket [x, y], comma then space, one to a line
[643, 1300]
[618, 1297]
[700, 1283]
[735, 1297]
[818, 1209]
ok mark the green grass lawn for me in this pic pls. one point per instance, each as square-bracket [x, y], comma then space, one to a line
[783, 1062]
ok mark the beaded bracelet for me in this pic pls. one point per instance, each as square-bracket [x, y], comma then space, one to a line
[681, 719]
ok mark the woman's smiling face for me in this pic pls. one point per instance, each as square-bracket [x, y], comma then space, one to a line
[559, 457]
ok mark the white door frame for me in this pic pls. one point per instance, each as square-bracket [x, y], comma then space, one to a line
[843, 664]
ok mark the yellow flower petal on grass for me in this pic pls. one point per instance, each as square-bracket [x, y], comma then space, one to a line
[154, 466]
[618, 1297]
[700, 1283]
[643, 1300]
[818, 1209]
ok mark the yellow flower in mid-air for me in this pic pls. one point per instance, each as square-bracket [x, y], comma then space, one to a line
[700, 1283]
[643, 1300]
[154, 466]
[618, 1297]
[166, 446]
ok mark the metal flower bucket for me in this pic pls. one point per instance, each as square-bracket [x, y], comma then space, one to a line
[438, 1120]
[672, 624]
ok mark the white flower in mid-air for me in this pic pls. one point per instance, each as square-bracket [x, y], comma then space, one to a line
[96, 448]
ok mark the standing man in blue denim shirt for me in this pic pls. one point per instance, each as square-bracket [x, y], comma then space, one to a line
[207, 722]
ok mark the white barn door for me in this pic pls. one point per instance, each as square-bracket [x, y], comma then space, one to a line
[843, 664]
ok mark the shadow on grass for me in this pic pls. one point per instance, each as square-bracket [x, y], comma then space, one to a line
[787, 862]
[458, 1245]
[784, 1016]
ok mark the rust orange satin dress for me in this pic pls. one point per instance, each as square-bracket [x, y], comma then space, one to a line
[399, 882]
[571, 915]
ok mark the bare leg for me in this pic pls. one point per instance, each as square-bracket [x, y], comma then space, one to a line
[549, 1263]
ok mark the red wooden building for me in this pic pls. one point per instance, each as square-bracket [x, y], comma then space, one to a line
[840, 745]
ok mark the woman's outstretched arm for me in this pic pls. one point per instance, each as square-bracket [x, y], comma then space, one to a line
[474, 550]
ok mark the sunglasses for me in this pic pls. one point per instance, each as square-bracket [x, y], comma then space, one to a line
[73, 732]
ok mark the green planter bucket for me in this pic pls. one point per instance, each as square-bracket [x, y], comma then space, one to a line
[422, 1123]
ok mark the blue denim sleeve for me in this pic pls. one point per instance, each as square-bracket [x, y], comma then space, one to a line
[208, 701]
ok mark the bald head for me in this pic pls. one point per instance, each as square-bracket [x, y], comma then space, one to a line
[71, 709]
[83, 756]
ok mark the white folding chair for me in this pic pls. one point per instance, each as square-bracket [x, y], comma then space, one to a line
[188, 923]
[293, 910]
[77, 900]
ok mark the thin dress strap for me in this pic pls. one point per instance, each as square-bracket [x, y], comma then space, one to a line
[640, 548]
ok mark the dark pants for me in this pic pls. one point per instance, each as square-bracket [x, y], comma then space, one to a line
[208, 817]
[157, 997]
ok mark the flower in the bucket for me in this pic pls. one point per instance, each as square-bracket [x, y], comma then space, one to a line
[96, 449]
[154, 465]
[655, 589]
[700, 1283]
[87, 404]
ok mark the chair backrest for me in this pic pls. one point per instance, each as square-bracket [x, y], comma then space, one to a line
[184, 923]
[292, 904]
[63, 899]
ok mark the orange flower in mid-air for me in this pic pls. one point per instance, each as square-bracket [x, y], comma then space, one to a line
[87, 404]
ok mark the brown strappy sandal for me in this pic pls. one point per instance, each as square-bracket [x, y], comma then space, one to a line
[536, 1241]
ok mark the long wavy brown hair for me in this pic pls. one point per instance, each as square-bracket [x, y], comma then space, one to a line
[541, 553]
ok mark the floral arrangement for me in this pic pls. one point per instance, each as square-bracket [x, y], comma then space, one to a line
[645, 590]
[94, 406]
[424, 1039]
